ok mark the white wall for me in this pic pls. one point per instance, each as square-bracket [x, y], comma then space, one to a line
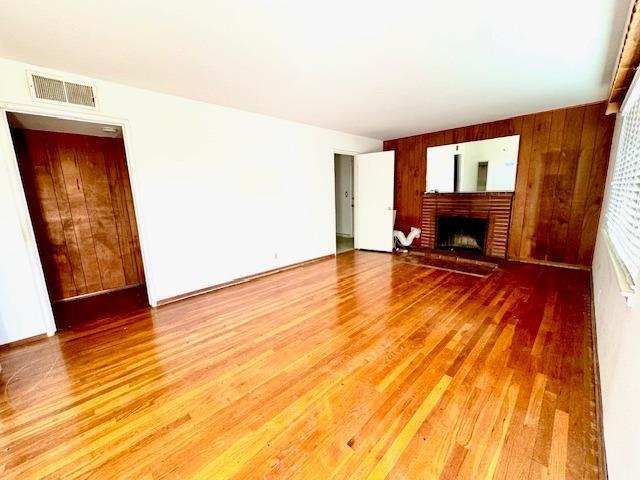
[502, 156]
[344, 194]
[618, 332]
[220, 193]
[469, 167]
[440, 168]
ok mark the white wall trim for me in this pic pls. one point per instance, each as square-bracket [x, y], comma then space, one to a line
[11, 164]
[26, 227]
[627, 290]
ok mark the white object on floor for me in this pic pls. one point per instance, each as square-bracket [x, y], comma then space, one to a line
[406, 241]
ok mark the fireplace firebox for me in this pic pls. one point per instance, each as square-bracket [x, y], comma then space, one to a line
[492, 207]
[461, 233]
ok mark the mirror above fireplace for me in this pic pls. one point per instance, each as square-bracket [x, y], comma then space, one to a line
[480, 166]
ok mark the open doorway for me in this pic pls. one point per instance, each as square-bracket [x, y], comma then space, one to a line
[76, 183]
[344, 202]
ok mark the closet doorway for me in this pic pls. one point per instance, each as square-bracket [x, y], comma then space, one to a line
[343, 167]
[76, 183]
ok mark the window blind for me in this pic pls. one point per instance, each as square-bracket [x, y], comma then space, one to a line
[623, 209]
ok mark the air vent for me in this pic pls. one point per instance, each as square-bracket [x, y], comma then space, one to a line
[80, 94]
[49, 89]
[55, 90]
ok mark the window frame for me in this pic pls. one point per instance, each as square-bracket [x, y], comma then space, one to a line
[629, 286]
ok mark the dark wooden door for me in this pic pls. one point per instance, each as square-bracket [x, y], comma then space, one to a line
[79, 198]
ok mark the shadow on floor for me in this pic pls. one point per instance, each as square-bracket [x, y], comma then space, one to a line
[343, 244]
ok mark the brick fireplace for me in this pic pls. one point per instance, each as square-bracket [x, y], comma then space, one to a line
[475, 221]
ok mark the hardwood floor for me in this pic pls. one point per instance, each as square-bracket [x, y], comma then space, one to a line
[355, 367]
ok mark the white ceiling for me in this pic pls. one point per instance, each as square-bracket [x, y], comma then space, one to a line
[381, 69]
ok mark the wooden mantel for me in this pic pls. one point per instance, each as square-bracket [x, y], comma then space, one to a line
[495, 207]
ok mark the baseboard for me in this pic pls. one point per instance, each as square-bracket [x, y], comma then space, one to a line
[240, 280]
[602, 453]
[95, 294]
[24, 341]
[547, 263]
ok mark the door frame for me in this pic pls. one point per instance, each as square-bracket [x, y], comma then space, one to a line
[356, 245]
[340, 151]
[7, 151]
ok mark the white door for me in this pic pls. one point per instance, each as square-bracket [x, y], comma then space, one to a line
[374, 201]
[344, 195]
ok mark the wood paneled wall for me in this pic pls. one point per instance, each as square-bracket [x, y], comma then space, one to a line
[562, 167]
[80, 202]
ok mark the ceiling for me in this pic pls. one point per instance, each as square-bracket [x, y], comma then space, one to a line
[52, 124]
[376, 68]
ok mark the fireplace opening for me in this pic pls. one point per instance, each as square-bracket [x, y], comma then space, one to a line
[461, 233]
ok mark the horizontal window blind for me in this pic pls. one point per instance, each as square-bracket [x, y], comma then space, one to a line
[623, 209]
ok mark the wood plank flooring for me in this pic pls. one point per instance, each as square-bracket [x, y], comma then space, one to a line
[359, 366]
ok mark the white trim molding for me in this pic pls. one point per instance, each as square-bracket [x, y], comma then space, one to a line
[11, 165]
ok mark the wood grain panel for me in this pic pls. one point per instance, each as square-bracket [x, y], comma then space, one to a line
[628, 61]
[101, 217]
[122, 202]
[522, 180]
[562, 166]
[569, 155]
[581, 181]
[549, 182]
[63, 151]
[356, 367]
[79, 199]
[535, 180]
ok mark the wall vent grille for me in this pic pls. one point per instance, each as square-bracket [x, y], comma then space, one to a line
[52, 89]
